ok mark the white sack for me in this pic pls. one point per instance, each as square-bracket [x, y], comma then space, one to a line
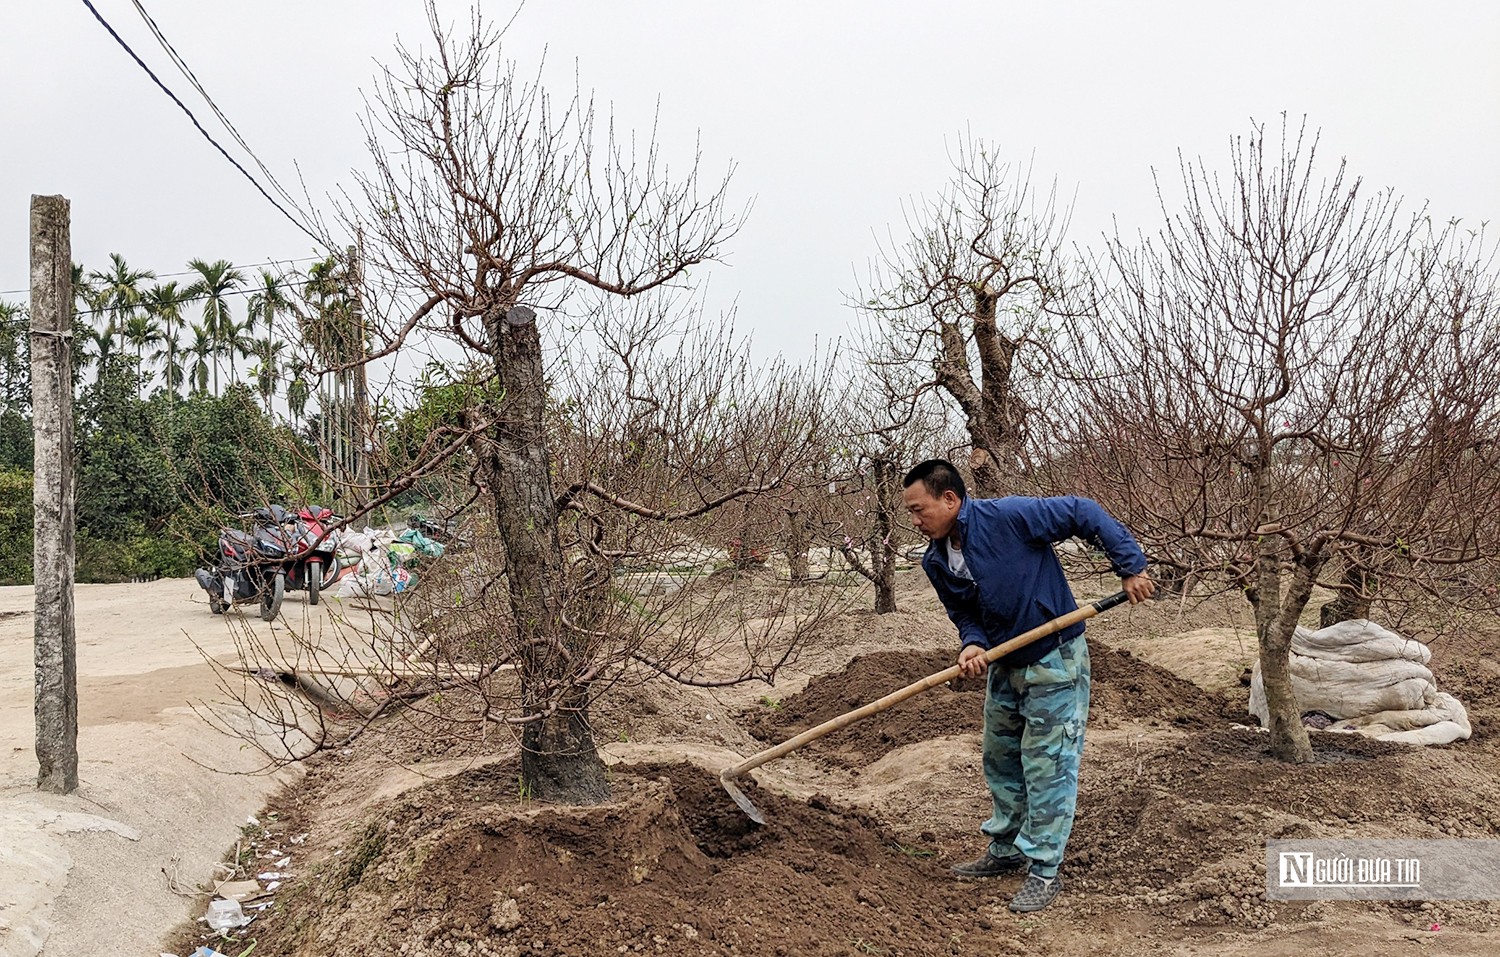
[1357, 641]
[1347, 689]
[1372, 681]
[1443, 722]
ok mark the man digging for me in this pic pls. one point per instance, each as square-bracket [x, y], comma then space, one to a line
[992, 564]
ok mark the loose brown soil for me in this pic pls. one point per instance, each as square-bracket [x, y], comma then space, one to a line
[1125, 688]
[668, 866]
[1167, 856]
[936, 712]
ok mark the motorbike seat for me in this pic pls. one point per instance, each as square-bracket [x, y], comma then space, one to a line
[272, 514]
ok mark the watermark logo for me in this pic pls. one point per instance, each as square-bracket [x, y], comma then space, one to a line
[1308, 869]
[1383, 870]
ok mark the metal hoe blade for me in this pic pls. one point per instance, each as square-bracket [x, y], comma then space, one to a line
[740, 797]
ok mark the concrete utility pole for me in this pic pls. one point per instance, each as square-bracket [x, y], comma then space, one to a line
[52, 494]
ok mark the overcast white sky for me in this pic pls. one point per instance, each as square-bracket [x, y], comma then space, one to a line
[833, 111]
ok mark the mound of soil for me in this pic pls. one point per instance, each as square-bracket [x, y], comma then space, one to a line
[1124, 687]
[1127, 688]
[669, 866]
[939, 711]
[1177, 824]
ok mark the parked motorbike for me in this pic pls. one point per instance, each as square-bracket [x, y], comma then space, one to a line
[315, 564]
[253, 564]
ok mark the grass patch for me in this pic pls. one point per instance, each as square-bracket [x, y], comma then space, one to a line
[365, 852]
[911, 851]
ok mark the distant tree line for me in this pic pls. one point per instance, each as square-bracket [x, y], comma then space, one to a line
[195, 398]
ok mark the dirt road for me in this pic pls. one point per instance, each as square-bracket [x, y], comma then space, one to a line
[92, 873]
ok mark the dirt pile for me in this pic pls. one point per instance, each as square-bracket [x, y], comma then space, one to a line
[1125, 688]
[939, 711]
[669, 866]
[1176, 824]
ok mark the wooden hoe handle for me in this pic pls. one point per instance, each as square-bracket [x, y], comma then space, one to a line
[931, 681]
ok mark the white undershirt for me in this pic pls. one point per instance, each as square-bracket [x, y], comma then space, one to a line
[956, 561]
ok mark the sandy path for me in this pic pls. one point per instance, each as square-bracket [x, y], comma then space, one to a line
[84, 874]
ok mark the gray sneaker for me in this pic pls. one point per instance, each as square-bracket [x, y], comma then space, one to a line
[991, 866]
[1035, 893]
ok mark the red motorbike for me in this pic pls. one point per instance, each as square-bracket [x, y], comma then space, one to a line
[314, 564]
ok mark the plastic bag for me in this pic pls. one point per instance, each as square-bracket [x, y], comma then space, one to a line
[421, 543]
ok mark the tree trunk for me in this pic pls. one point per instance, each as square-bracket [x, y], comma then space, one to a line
[883, 551]
[988, 480]
[325, 443]
[559, 760]
[742, 555]
[994, 414]
[1353, 599]
[998, 435]
[796, 546]
[1275, 623]
[1171, 578]
[364, 432]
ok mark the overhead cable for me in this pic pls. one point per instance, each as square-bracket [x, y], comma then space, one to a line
[225, 153]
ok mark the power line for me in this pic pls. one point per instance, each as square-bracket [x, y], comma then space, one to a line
[269, 262]
[234, 162]
[246, 291]
[192, 78]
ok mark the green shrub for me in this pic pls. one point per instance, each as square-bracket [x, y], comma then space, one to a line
[15, 527]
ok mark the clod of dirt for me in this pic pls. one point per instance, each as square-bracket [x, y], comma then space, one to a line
[505, 913]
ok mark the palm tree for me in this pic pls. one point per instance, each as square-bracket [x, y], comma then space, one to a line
[267, 371]
[330, 328]
[13, 356]
[142, 331]
[85, 293]
[216, 280]
[175, 368]
[120, 292]
[164, 303]
[203, 349]
[88, 302]
[235, 342]
[97, 347]
[298, 392]
[270, 298]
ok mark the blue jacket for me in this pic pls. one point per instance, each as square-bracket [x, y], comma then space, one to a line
[1018, 582]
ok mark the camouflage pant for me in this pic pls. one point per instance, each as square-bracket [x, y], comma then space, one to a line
[1034, 717]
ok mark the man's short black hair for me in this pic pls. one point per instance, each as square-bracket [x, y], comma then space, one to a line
[937, 476]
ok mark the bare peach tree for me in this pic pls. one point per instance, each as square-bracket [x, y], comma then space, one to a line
[889, 424]
[1289, 377]
[966, 294]
[503, 215]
